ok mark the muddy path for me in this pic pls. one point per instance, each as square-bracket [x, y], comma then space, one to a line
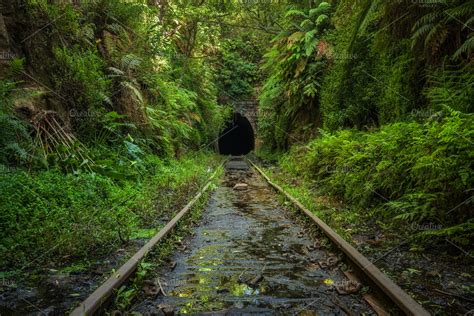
[250, 256]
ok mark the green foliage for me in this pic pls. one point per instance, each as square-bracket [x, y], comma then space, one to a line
[452, 87]
[289, 98]
[381, 77]
[16, 144]
[237, 71]
[442, 21]
[107, 56]
[129, 85]
[6, 101]
[17, 66]
[44, 216]
[370, 81]
[409, 172]
[120, 90]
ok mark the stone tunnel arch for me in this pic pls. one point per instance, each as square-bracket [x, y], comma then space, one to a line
[238, 137]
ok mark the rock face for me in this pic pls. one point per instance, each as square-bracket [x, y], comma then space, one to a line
[241, 186]
[5, 52]
[248, 108]
[4, 41]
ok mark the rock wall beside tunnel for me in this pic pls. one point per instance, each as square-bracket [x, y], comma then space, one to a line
[248, 108]
[5, 49]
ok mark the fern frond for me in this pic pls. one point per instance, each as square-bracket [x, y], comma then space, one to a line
[321, 19]
[466, 48]
[433, 34]
[321, 9]
[116, 28]
[430, 18]
[461, 11]
[468, 22]
[306, 24]
[131, 61]
[116, 71]
[136, 91]
[298, 13]
[310, 44]
[422, 31]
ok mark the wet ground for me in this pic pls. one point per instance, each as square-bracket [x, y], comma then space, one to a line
[54, 292]
[438, 276]
[56, 288]
[250, 257]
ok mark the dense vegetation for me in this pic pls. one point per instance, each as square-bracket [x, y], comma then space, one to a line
[107, 105]
[51, 216]
[375, 97]
[108, 112]
[409, 172]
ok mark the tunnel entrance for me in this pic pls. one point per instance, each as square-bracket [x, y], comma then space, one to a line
[238, 137]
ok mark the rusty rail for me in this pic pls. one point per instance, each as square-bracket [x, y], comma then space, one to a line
[405, 302]
[95, 301]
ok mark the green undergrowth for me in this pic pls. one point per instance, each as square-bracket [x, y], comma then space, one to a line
[413, 178]
[53, 217]
[151, 267]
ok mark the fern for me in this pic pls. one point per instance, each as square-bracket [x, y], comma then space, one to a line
[289, 95]
[16, 144]
[410, 173]
[321, 10]
[295, 13]
[467, 48]
[436, 27]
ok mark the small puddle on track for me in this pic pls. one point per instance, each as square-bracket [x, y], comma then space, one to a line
[248, 257]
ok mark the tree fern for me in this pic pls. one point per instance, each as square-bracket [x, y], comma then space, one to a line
[467, 48]
[450, 19]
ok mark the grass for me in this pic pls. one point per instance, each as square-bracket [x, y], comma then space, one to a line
[50, 217]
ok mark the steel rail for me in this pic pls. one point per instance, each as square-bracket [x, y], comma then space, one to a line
[101, 295]
[401, 299]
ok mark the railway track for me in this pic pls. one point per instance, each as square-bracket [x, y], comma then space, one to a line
[251, 256]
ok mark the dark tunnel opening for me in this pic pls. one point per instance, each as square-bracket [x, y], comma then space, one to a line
[237, 138]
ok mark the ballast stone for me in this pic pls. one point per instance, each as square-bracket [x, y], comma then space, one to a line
[241, 186]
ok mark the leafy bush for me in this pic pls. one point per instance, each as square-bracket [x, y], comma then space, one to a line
[379, 77]
[16, 143]
[104, 56]
[410, 172]
[47, 212]
[453, 87]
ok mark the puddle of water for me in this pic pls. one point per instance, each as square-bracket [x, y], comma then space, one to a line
[249, 256]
